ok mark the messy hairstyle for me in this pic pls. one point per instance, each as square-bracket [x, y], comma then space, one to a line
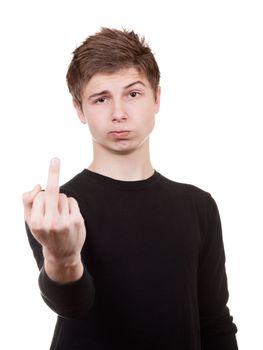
[108, 51]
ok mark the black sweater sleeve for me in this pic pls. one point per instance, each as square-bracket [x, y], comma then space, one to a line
[216, 326]
[69, 300]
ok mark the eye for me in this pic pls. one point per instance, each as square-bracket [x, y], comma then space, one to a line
[100, 100]
[134, 93]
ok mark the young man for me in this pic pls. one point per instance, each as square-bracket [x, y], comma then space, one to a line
[128, 259]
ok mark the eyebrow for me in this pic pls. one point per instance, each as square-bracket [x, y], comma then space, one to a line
[107, 91]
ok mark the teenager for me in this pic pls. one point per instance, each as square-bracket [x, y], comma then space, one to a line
[128, 258]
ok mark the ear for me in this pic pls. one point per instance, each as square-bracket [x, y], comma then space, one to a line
[157, 99]
[79, 112]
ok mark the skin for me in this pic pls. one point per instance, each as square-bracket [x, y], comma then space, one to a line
[123, 105]
[111, 103]
[56, 223]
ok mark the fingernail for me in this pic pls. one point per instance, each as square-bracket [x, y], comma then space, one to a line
[37, 187]
[54, 161]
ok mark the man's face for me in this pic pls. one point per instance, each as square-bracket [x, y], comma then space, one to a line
[119, 109]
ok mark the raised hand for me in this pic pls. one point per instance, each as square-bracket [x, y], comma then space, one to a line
[57, 224]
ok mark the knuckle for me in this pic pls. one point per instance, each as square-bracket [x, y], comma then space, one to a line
[25, 197]
[39, 196]
[62, 196]
[53, 224]
[77, 220]
[36, 225]
[73, 200]
[57, 224]
[28, 196]
[65, 225]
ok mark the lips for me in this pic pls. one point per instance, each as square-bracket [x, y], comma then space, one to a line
[119, 133]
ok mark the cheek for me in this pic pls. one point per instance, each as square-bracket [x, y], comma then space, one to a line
[150, 121]
[94, 125]
[145, 125]
[151, 124]
[148, 117]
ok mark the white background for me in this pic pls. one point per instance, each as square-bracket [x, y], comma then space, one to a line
[208, 132]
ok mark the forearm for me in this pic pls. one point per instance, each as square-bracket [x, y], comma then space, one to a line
[65, 286]
[55, 222]
[71, 299]
[216, 324]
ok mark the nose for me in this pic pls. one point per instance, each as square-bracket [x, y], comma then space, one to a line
[118, 112]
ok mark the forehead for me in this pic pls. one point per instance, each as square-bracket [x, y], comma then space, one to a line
[116, 80]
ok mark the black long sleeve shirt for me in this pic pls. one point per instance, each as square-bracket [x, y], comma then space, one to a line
[154, 269]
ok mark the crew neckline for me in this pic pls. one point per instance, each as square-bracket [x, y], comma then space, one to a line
[122, 184]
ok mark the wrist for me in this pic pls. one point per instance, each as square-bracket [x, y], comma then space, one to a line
[63, 271]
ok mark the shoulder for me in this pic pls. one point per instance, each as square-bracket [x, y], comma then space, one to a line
[74, 185]
[185, 189]
[189, 196]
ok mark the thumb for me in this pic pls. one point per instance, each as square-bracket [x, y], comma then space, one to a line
[28, 199]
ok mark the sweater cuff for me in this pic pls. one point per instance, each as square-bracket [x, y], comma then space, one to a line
[68, 300]
[219, 342]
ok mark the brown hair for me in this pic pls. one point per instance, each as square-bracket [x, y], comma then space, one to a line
[107, 52]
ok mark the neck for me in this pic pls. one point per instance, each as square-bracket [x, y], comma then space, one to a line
[132, 166]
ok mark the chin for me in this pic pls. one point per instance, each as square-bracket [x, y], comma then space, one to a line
[123, 147]
[124, 151]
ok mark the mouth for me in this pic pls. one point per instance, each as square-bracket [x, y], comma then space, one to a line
[119, 133]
